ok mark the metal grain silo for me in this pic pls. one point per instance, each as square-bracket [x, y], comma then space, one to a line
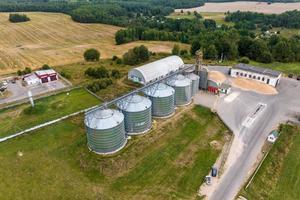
[203, 73]
[162, 97]
[183, 91]
[105, 131]
[195, 82]
[137, 112]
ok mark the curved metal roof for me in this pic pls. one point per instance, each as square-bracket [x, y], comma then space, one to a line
[135, 103]
[104, 119]
[160, 90]
[157, 69]
[181, 81]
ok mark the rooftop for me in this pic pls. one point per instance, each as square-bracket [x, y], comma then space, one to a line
[45, 72]
[258, 70]
[158, 69]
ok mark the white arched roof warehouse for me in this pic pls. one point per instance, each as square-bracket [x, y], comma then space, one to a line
[155, 70]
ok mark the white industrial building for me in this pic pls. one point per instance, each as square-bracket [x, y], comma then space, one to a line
[31, 79]
[40, 76]
[155, 70]
[268, 76]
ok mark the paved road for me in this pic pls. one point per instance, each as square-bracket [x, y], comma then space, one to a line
[234, 111]
[280, 108]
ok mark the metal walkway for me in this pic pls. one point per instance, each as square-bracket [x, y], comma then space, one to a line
[187, 67]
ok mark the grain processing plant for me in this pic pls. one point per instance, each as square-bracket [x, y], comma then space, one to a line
[167, 83]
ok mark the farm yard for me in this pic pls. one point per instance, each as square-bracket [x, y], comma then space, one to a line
[261, 7]
[168, 162]
[54, 39]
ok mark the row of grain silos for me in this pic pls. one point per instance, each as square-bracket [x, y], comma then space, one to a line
[107, 129]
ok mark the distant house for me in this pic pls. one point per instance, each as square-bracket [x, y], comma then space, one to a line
[40, 76]
[273, 136]
[267, 76]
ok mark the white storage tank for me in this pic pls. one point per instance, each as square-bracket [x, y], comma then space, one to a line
[105, 131]
[163, 99]
[137, 112]
[183, 90]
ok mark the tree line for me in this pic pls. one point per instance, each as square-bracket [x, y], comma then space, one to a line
[289, 19]
[15, 18]
[114, 12]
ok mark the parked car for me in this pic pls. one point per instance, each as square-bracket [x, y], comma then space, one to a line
[291, 75]
[298, 78]
[4, 83]
[2, 87]
[13, 81]
[214, 172]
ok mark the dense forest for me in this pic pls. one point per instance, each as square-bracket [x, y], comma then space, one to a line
[115, 12]
[217, 42]
[289, 19]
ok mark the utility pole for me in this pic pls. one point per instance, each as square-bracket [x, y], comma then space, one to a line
[30, 98]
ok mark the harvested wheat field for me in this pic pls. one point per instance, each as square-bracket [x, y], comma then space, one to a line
[55, 39]
[247, 84]
[261, 7]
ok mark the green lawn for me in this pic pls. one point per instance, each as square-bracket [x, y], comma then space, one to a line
[21, 117]
[169, 162]
[283, 67]
[286, 68]
[279, 176]
[287, 32]
[219, 17]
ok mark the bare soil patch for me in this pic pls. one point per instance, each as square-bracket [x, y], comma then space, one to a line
[261, 7]
[247, 84]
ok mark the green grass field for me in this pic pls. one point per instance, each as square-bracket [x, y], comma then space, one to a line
[286, 68]
[283, 67]
[21, 117]
[218, 17]
[169, 162]
[279, 176]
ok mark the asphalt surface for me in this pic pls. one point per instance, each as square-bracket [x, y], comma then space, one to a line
[234, 111]
[20, 92]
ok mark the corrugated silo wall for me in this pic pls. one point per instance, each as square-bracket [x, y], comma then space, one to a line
[138, 122]
[163, 106]
[106, 141]
[183, 95]
[195, 86]
[203, 79]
